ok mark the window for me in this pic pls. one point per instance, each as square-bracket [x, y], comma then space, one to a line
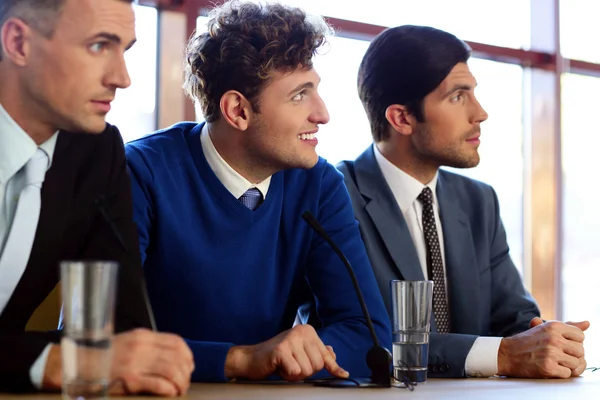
[578, 27]
[200, 28]
[348, 133]
[134, 109]
[581, 215]
[501, 23]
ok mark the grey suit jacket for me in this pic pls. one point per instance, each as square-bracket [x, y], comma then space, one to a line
[485, 290]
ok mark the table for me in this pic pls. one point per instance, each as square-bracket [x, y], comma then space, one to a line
[585, 387]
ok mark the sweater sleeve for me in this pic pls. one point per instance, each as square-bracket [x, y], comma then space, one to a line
[337, 306]
[210, 360]
[209, 356]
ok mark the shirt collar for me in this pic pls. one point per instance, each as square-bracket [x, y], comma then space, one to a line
[17, 147]
[234, 182]
[404, 187]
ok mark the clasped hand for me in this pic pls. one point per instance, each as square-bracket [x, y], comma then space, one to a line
[549, 349]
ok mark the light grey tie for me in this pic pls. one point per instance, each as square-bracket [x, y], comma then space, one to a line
[16, 252]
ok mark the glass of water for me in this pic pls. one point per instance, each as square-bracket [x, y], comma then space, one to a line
[411, 309]
[88, 295]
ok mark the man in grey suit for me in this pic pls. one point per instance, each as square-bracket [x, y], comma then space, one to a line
[419, 222]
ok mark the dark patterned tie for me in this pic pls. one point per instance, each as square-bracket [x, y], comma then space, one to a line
[435, 265]
[252, 198]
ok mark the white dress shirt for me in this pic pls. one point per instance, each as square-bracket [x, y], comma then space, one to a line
[482, 359]
[16, 148]
[234, 182]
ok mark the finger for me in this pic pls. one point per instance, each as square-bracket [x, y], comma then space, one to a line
[568, 361]
[146, 341]
[304, 362]
[535, 322]
[287, 365]
[572, 333]
[330, 349]
[155, 385]
[580, 368]
[314, 356]
[583, 325]
[554, 366]
[562, 372]
[332, 366]
[574, 349]
[162, 364]
[176, 344]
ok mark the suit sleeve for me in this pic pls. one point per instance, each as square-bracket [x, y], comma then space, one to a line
[102, 242]
[18, 352]
[512, 306]
[448, 354]
[337, 306]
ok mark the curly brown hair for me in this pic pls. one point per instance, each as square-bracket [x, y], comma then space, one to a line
[244, 44]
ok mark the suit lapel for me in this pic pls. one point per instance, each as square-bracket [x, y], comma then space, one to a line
[387, 217]
[57, 197]
[461, 263]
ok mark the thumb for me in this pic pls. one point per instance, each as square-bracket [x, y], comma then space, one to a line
[535, 322]
[583, 325]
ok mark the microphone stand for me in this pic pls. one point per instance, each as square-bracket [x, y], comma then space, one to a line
[100, 203]
[378, 357]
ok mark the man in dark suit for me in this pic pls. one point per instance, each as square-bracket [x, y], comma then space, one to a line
[60, 165]
[419, 222]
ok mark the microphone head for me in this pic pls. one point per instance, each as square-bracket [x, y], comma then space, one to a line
[378, 360]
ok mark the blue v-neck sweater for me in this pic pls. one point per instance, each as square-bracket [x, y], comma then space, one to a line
[220, 275]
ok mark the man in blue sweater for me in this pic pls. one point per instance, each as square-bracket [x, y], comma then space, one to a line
[227, 255]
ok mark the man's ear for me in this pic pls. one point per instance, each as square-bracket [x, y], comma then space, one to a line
[236, 109]
[400, 119]
[15, 37]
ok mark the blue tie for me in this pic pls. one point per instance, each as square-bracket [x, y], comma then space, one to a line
[252, 198]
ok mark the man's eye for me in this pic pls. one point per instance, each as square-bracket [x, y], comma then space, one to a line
[456, 97]
[299, 96]
[98, 47]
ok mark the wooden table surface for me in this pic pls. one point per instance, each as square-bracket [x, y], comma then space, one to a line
[585, 387]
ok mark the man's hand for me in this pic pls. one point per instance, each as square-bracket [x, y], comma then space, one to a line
[547, 350]
[142, 362]
[295, 354]
[151, 362]
[581, 325]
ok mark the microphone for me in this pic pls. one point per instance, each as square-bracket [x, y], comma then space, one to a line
[378, 357]
[100, 204]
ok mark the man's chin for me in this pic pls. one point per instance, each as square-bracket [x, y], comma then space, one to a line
[461, 163]
[89, 127]
[309, 163]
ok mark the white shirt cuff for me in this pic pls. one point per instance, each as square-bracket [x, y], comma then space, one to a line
[36, 373]
[482, 360]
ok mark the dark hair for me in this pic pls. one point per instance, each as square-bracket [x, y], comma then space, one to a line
[244, 44]
[40, 14]
[403, 65]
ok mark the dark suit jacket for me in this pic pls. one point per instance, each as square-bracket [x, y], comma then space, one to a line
[486, 293]
[70, 227]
